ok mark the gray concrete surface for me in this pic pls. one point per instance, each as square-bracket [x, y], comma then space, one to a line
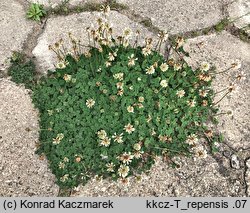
[239, 11]
[178, 16]
[226, 173]
[14, 29]
[194, 178]
[221, 50]
[22, 173]
[54, 3]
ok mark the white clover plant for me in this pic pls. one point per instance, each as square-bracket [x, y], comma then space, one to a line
[111, 110]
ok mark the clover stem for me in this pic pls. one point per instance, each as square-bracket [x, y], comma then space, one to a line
[64, 50]
[221, 98]
[167, 52]
[160, 44]
[89, 38]
[222, 113]
[226, 70]
[220, 91]
[157, 44]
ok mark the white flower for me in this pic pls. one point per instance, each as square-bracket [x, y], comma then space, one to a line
[50, 112]
[120, 92]
[87, 54]
[200, 152]
[165, 138]
[150, 70]
[108, 63]
[102, 134]
[119, 85]
[140, 105]
[67, 78]
[61, 165]
[131, 61]
[180, 41]
[90, 103]
[216, 144]
[66, 160]
[110, 167]
[164, 67]
[146, 51]
[105, 9]
[124, 182]
[130, 109]
[207, 78]
[123, 171]
[177, 66]
[58, 138]
[180, 93]
[105, 142]
[60, 65]
[129, 128]
[104, 157]
[125, 43]
[141, 99]
[205, 66]
[163, 36]
[118, 138]
[118, 76]
[126, 158]
[204, 103]
[191, 103]
[164, 83]
[127, 33]
[64, 178]
[137, 146]
[138, 154]
[203, 93]
[192, 139]
[111, 57]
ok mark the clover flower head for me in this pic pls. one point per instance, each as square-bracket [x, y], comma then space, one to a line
[130, 109]
[118, 138]
[110, 167]
[150, 70]
[101, 134]
[163, 67]
[191, 103]
[180, 93]
[90, 103]
[164, 83]
[105, 142]
[123, 171]
[126, 158]
[129, 128]
[205, 66]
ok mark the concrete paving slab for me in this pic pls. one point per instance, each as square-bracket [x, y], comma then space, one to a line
[221, 51]
[178, 16]
[59, 27]
[239, 11]
[193, 178]
[247, 176]
[22, 173]
[15, 29]
[54, 3]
